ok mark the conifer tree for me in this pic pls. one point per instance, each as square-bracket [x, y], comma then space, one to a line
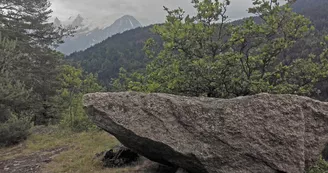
[13, 93]
[27, 22]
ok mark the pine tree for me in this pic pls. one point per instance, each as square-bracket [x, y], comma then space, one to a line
[13, 93]
[27, 23]
[14, 124]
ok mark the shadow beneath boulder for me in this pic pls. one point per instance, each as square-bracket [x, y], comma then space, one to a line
[121, 157]
[324, 153]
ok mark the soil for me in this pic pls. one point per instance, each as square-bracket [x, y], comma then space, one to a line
[31, 163]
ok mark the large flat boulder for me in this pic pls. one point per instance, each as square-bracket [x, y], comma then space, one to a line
[255, 134]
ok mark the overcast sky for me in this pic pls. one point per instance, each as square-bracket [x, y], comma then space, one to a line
[146, 11]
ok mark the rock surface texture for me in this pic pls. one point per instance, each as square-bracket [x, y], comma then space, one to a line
[255, 134]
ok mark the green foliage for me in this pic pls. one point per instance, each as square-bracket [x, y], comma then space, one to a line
[41, 76]
[30, 67]
[125, 50]
[205, 55]
[33, 65]
[125, 81]
[315, 11]
[13, 96]
[12, 92]
[33, 85]
[74, 84]
[27, 21]
[320, 167]
[14, 130]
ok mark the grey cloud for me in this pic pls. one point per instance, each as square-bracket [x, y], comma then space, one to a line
[147, 11]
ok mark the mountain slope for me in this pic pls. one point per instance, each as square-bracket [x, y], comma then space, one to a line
[120, 50]
[316, 10]
[125, 50]
[90, 33]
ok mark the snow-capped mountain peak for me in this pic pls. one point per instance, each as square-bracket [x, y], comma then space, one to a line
[90, 32]
[78, 21]
[57, 22]
[81, 23]
[127, 21]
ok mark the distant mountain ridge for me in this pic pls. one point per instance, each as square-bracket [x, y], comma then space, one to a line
[91, 32]
[316, 10]
[125, 50]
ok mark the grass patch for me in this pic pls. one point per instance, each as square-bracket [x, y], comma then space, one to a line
[79, 158]
[81, 153]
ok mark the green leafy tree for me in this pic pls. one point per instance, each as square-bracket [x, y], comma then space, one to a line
[71, 84]
[74, 84]
[320, 167]
[206, 55]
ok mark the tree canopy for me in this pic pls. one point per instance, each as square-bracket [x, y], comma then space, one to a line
[205, 55]
[30, 67]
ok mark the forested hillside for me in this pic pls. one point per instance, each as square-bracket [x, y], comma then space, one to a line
[89, 34]
[36, 86]
[121, 50]
[316, 10]
[125, 50]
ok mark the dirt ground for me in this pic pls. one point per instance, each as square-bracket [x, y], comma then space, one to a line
[31, 163]
[62, 151]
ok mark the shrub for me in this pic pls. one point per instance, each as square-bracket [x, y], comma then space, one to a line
[83, 123]
[14, 130]
[320, 167]
[78, 122]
